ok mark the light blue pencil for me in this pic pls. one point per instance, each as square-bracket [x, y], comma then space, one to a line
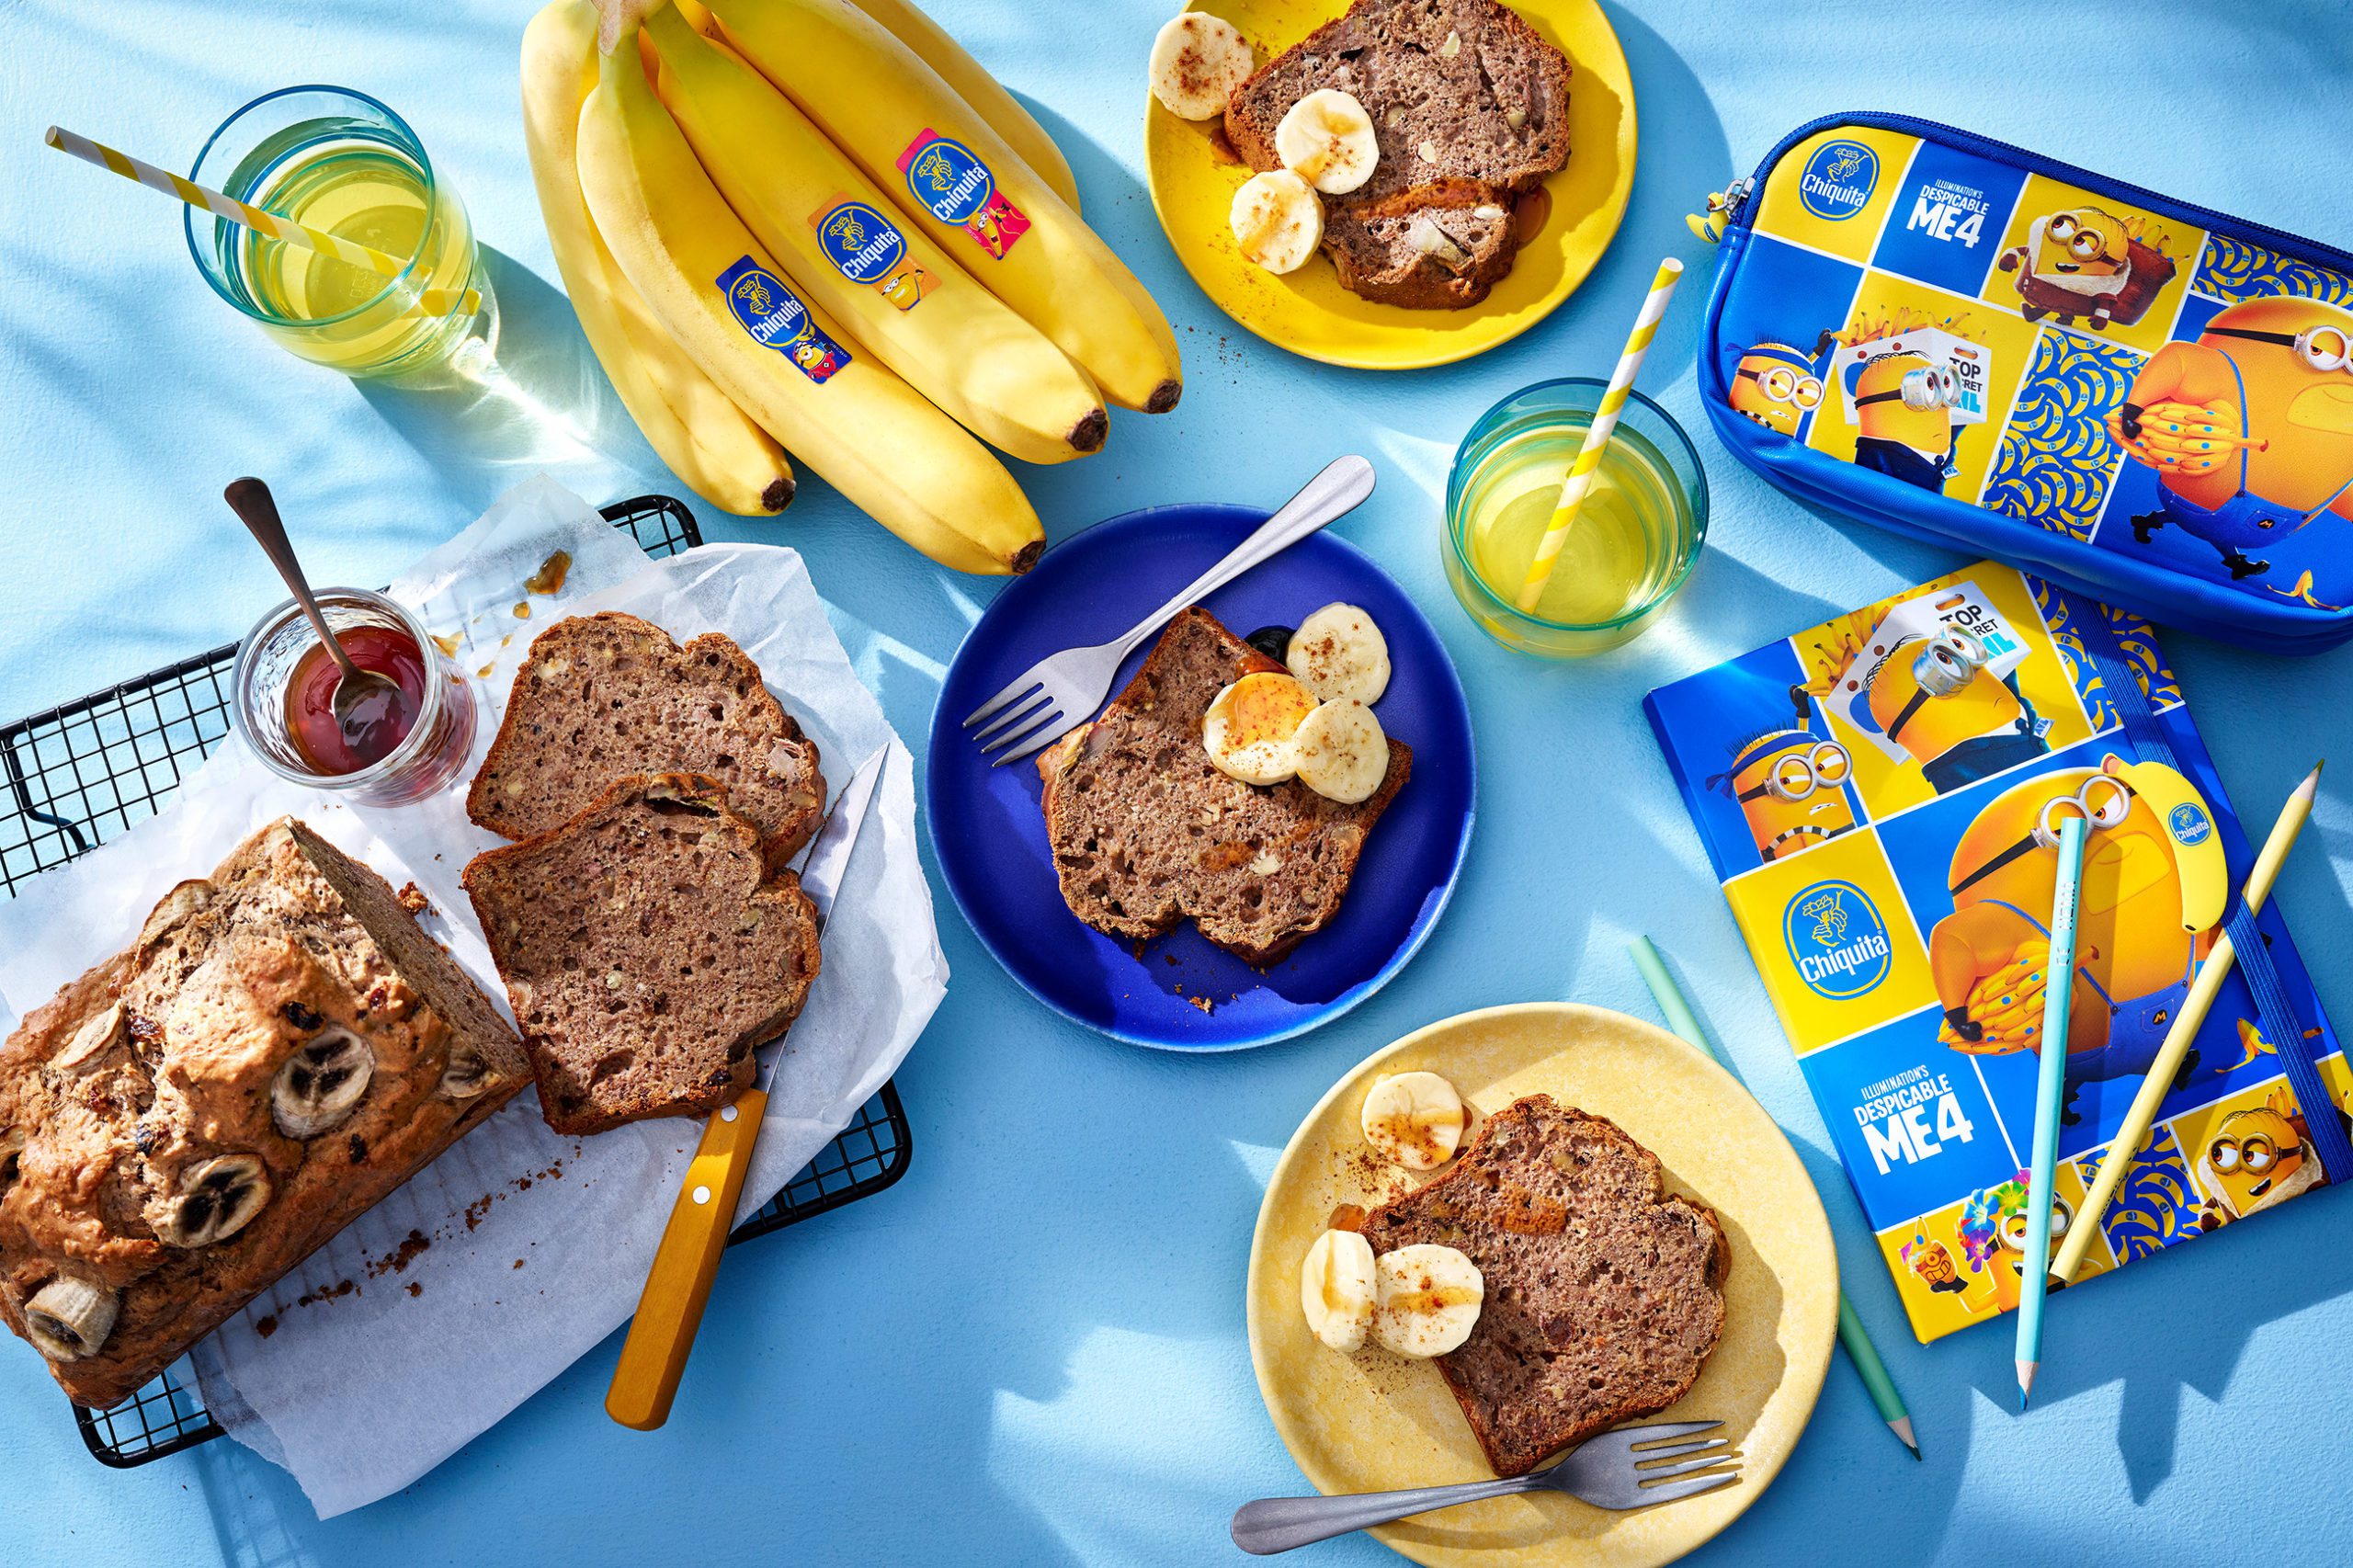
[2058, 993]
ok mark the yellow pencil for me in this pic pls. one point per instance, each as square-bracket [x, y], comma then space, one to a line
[2153, 1088]
[430, 302]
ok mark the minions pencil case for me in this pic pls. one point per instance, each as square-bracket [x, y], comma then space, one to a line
[1964, 341]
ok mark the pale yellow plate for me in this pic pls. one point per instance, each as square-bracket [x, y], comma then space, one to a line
[1307, 312]
[1374, 1422]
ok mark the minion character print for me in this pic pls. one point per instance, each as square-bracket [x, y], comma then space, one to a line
[2250, 431]
[2085, 263]
[2256, 1157]
[1992, 1234]
[1775, 385]
[2153, 893]
[1935, 698]
[1790, 782]
[1931, 1263]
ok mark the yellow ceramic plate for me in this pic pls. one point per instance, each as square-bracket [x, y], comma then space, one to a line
[1373, 1421]
[1307, 312]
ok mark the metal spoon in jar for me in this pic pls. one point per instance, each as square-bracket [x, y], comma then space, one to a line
[362, 701]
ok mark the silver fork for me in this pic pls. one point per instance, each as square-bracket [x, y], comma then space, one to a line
[1063, 690]
[1607, 1471]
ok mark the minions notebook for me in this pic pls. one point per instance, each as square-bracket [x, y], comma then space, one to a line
[1878, 796]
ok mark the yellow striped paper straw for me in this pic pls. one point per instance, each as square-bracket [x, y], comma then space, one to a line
[1596, 436]
[431, 302]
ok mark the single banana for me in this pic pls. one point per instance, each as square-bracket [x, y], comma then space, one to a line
[843, 245]
[958, 181]
[981, 93]
[708, 443]
[889, 452]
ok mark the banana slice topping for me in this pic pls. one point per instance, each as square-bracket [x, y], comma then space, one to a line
[1336, 1289]
[68, 1318]
[469, 1073]
[93, 1040]
[1249, 727]
[1427, 1299]
[1277, 221]
[1340, 751]
[322, 1084]
[1198, 61]
[1327, 139]
[1414, 1120]
[1339, 652]
[214, 1200]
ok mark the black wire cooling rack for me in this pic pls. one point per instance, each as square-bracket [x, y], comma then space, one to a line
[80, 773]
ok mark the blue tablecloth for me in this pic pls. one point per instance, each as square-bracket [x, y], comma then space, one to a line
[1031, 1350]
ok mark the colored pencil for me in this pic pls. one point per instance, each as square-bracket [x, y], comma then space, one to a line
[1597, 434]
[2050, 1093]
[1851, 1333]
[430, 302]
[2153, 1088]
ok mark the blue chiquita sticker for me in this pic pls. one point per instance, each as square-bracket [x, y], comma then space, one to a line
[1837, 940]
[955, 187]
[776, 319]
[867, 248]
[2189, 824]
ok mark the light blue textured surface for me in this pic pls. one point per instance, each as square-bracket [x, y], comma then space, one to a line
[1043, 1322]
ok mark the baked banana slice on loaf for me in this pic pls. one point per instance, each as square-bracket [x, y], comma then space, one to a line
[280, 1047]
[646, 950]
[604, 696]
[1146, 832]
[1604, 1296]
[1469, 109]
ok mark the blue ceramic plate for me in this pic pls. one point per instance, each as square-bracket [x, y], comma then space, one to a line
[989, 832]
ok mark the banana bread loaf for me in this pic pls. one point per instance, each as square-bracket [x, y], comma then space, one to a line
[279, 1049]
[1605, 1295]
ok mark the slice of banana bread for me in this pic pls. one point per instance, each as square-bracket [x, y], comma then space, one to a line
[1605, 1297]
[1470, 106]
[1146, 832]
[646, 950]
[604, 696]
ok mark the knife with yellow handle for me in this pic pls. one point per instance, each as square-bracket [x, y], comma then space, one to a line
[684, 1266]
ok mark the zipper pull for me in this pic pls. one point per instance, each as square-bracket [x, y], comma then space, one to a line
[1724, 206]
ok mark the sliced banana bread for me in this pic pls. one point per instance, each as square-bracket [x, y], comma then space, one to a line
[1605, 1297]
[604, 696]
[1470, 107]
[646, 950]
[1146, 832]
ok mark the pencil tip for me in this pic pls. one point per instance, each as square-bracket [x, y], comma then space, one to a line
[1902, 1427]
[2025, 1382]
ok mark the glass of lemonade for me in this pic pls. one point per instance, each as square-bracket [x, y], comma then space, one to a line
[340, 161]
[1634, 541]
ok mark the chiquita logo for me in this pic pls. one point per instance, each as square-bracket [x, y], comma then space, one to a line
[946, 179]
[861, 242]
[1836, 940]
[764, 307]
[2189, 824]
[1839, 179]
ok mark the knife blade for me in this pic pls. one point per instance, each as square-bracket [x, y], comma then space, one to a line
[653, 1356]
[826, 860]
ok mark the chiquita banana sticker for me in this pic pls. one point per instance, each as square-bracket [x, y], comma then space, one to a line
[774, 315]
[953, 185]
[866, 247]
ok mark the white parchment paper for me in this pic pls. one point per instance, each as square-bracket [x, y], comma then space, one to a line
[454, 1299]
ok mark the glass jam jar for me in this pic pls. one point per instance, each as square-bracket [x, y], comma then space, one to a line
[283, 678]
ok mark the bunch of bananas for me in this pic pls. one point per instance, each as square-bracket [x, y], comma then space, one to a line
[820, 226]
